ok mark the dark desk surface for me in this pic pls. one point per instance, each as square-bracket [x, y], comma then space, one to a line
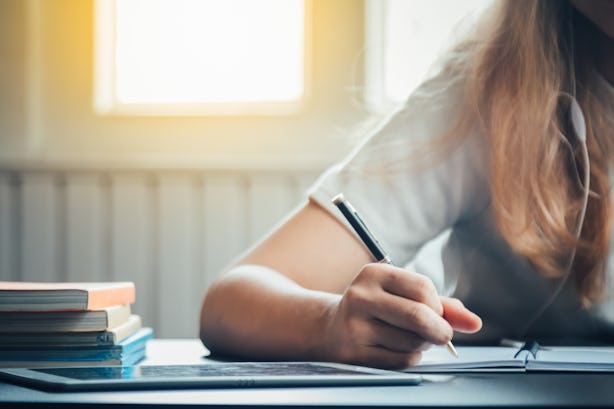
[467, 390]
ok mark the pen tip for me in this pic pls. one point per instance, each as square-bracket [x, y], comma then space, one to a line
[452, 349]
[338, 199]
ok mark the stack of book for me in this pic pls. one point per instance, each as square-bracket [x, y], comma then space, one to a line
[69, 324]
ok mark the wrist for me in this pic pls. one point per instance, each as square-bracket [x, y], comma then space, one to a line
[320, 345]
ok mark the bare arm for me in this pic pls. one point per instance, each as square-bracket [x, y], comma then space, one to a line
[309, 291]
[272, 302]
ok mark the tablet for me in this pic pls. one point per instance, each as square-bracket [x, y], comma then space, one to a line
[209, 375]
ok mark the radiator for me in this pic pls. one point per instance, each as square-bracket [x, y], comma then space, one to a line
[171, 232]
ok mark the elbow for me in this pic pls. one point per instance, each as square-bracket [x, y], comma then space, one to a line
[218, 319]
[209, 319]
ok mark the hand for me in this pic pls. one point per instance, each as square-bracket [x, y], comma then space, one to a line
[388, 316]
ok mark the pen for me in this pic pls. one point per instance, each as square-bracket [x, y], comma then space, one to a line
[369, 240]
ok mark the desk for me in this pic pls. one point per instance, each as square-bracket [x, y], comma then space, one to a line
[467, 390]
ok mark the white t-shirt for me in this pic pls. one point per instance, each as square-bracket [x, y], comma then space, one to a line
[437, 220]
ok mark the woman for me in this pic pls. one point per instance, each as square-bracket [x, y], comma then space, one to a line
[484, 168]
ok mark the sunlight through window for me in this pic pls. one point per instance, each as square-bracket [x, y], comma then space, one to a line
[218, 56]
[404, 38]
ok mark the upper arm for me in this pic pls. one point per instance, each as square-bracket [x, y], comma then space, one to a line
[313, 249]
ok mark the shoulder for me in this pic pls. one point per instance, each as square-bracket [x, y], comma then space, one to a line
[402, 174]
[433, 133]
[427, 118]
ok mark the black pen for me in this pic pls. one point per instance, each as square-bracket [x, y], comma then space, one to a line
[369, 240]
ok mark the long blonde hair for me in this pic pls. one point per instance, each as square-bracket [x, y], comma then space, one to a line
[528, 53]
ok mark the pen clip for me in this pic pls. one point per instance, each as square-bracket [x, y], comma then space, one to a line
[361, 229]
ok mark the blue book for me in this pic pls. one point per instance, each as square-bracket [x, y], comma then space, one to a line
[132, 358]
[133, 345]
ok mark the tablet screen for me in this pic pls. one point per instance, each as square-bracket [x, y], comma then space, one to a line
[221, 369]
[210, 375]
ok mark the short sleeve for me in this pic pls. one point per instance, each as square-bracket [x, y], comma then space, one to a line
[406, 189]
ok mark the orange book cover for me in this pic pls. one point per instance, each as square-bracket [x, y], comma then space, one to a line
[58, 296]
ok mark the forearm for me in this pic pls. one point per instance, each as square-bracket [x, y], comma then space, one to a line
[256, 312]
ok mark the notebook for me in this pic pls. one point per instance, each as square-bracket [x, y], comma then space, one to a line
[133, 343]
[39, 296]
[111, 336]
[61, 321]
[211, 375]
[529, 357]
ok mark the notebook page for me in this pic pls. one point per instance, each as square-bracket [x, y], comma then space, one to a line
[581, 358]
[470, 358]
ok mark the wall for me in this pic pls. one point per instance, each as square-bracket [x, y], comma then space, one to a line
[163, 201]
[49, 77]
[171, 232]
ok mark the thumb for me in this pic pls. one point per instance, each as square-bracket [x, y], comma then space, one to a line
[459, 317]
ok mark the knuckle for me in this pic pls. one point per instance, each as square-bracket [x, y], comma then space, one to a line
[371, 271]
[394, 280]
[417, 314]
[356, 296]
[424, 287]
[426, 293]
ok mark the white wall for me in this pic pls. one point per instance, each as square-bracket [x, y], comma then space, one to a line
[169, 232]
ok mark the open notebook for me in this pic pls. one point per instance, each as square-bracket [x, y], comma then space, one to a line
[529, 357]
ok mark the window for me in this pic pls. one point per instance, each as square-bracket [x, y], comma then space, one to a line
[403, 39]
[200, 56]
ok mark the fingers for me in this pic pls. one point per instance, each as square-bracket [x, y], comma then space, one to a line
[409, 285]
[459, 317]
[356, 337]
[388, 316]
[379, 333]
[382, 358]
[405, 300]
[411, 316]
